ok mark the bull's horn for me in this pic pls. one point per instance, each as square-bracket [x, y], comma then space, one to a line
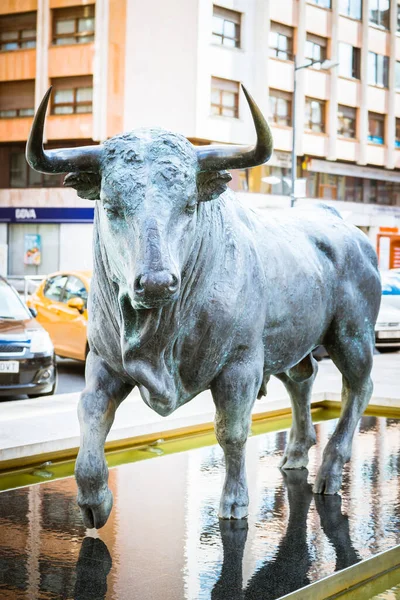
[63, 160]
[217, 158]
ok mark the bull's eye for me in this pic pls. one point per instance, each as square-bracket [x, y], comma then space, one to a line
[112, 212]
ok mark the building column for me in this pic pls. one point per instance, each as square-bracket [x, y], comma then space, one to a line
[260, 81]
[100, 71]
[363, 111]
[390, 125]
[334, 76]
[300, 93]
[42, 52]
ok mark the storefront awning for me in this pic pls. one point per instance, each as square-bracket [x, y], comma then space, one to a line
[337, 168]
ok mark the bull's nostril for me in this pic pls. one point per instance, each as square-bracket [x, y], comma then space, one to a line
[139, 288]
[173, 286]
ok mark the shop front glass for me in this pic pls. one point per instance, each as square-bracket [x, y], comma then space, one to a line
[33, 248]
[276, 181]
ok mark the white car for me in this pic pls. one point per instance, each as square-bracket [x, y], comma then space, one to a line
[391, 287]
[387, 328]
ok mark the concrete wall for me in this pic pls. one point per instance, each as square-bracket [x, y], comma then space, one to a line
[45, 197]
[161, 64]
[76, 246]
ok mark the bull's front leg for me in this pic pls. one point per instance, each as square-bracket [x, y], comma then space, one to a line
[234, 392]
[100, 399]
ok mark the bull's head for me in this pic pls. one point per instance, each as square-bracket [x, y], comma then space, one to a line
[150, 183]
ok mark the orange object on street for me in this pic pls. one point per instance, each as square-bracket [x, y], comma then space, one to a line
[61, 305]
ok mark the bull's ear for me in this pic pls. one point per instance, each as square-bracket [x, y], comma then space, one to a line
[86, 184]
[212, 184]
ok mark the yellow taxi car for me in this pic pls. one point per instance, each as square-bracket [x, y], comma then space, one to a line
[61, 305]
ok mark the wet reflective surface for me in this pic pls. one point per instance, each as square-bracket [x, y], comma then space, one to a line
[164, 540]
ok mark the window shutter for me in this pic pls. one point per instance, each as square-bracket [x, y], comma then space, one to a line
[225, 13]
[17, 94]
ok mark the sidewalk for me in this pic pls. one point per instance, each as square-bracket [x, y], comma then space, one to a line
[40, 426]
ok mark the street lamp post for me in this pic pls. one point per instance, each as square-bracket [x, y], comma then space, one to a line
[325, 65]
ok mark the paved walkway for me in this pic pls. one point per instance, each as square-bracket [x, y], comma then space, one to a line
[32, 427]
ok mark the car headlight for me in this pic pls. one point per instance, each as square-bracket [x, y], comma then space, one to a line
[41, 343]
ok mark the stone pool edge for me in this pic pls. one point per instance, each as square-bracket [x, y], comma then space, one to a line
[49, 443]
[374, 572]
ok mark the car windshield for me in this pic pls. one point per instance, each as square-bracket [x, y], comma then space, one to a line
[11, 307]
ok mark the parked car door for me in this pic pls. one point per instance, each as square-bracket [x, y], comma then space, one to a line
[72, 322]
[48, 303]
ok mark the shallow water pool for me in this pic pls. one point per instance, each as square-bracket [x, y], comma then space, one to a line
[164, 540]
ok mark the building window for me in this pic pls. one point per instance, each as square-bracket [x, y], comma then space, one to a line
[347, 121]
[382, 192]
[16, 112]
[397, 141]
[281, 41]
[72, 95]
[379, 13]
[17, 31]
[398, 17]
[315, 49]
[22, 176]
[378, 69]
[323, 3]
[351, 8]
[224, 97]
[349, 61]
[280, 107]
[240, 180]
[17, 99]
[226, 27]
[74, 25]
[376, 128]
[353, 191]
[276, 181]
[315, 115]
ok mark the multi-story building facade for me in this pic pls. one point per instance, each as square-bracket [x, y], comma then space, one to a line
[77, 47]
[120, 64]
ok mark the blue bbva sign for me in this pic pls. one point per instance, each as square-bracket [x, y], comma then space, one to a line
[46, 215]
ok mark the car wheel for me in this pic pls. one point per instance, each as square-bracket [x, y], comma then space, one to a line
[385, 349]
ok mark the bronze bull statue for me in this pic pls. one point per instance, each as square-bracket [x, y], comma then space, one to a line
[191, 291]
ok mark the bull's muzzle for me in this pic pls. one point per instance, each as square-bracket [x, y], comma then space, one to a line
[156, 288]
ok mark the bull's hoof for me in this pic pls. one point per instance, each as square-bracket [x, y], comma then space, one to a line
[329, 481]
[229, 510]
[96, 515]
[296, 453]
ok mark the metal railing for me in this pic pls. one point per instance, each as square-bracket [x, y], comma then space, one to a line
[26, 284]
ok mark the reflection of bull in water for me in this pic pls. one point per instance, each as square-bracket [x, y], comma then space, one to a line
[288, 570]
[92, 569]
[285, 573]
[191, 291]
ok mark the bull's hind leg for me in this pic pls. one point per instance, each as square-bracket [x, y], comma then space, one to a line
[299, 381]
[99, 401]
[234, 392]
[352, 353]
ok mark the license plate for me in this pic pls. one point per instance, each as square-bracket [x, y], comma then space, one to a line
[388, 335]
[9, 366]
